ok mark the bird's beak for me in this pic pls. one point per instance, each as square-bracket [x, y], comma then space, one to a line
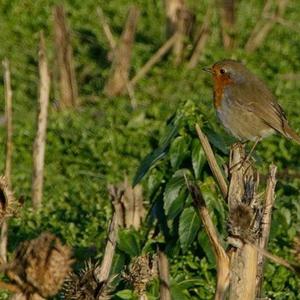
[208, 69]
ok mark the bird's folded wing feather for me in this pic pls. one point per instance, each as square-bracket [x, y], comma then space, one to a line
[255, 97]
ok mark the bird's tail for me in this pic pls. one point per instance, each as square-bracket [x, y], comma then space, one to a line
[290, 133]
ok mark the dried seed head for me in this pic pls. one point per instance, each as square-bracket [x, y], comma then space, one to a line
[140, 272]
[40, 265]
[84, 286]
[7, 201]
[240, 221]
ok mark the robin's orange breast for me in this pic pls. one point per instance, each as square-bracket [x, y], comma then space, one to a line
[219, 86]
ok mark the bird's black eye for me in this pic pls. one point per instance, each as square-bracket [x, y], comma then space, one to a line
[222, 71]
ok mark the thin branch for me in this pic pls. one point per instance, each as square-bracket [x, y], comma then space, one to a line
[221, 257]
[118, 78]
[202, 40]
[163, 269]
[285, 23]
[9, 151]
[227, 14]
[263, 27]
[8, 120]
[40, 139]
[154, 59]
[212, 162]
[112, 44]
[102, 272]
[266, 224]
[65, 62]
[106, 29]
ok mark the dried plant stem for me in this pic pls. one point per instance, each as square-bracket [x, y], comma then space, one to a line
[40, 139]
[8, 120]
[163, 269]
[202, 40]
[266, 224]
[243, 259]
[8, 156]
[212, 161]
[227, 13]
[153, 60]
[64, 54]
[118, 78]
[112, 44]
[220, 254]
[102, 272]
[106, 29]
[263, 26]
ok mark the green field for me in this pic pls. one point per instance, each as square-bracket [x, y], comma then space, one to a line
[105, 139]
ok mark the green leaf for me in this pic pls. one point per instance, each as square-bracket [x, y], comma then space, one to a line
[177, 292]
[205, 244]
[129, 242]
[175, 193]
[198, 158]
[217, 140]
[179, 151]
[190, 283]
[286, 215]
[189, 225]
[156, 155]
[126, 295]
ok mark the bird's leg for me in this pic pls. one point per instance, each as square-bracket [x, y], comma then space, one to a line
[252, 149]
[247, 158]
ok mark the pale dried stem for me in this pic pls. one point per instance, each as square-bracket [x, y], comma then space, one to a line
[118, 79]
[212, 162]
[227, 14]
[222, 259]
[112, 44]
[163, 269]
[175, 25]
[106, 29]
[266, 224]
[64, 55]
[153, 60]
[9, 151]
[40, 139]
[102, 272]
[202, 40]
[243, 259]
[8, 121]
[263, 26]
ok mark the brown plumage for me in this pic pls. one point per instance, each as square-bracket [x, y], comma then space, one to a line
[245, 105]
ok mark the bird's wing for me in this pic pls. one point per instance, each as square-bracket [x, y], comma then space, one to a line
[257, 98]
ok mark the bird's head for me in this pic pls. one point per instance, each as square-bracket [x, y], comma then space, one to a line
[228, 71]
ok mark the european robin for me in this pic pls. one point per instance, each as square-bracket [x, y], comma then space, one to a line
[245, 105]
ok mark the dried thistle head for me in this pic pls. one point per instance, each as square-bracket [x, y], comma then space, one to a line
[140, 272]
[84, 286]
[40, 265]
[240, 221]
[7, 200]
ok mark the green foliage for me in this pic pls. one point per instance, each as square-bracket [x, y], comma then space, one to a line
[105, 139]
